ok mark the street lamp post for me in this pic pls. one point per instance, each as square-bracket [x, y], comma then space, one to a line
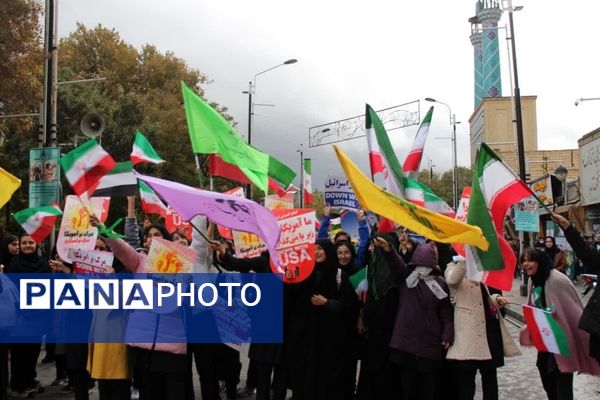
[518, 120]
[252, 90]
[582, 99]
[453, 124]
[561, 174]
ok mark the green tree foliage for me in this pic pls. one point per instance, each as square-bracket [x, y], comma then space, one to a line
[441, 183]
[21, 83]
[141, 91]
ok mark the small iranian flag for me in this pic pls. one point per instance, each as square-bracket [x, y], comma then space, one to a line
[360, 284]
[308, 195]
[495, 188]
[418, 193]
[39, 221]
[151, 203]
[546, 333]
[413, 159]
[85, 165]
[143, 152]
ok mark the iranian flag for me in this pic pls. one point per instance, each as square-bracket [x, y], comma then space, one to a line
[395, 180]
[413, 159]
[218, 167]
[360, 284]
[494, 189]
[308, 195]
[39, 221]
[419, 194]
[151, 203]
[375, 159]
[85, 165]
[143, 152]
[546, 334]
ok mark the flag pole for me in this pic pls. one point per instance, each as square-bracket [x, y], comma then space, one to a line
[199, 170]
[199, 231]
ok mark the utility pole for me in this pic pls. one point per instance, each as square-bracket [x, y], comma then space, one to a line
[48, 111]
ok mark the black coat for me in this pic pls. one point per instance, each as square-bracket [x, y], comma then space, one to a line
[269, 353]
[590, 319]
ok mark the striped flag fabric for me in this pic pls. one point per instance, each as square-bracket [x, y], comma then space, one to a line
[418, 219]
[118, 182]
[38, 221]
[143, 152]
[360, 284]
[419, 194]
[546, 333]
[218, 167]
[307, 182]
[85, 165]
[413, 159]
[151, 203]
[394, 178]
[494, 189]
[396, 181]
[9, 184]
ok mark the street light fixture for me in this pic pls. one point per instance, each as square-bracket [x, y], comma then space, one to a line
[561, 174]
[582, 99]
[453, 124]
[252, 90]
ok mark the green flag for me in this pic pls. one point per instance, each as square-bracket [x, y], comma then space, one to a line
[210, 133]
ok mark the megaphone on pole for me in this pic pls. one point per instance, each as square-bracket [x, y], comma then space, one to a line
[92, 125]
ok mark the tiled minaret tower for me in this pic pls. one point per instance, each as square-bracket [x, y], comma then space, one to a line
[484, 37]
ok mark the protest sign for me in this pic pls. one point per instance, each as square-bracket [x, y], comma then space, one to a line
[296, 248]
[248, 245]
[91, 261]
[165, 257]
[174, 223]
[75, 229]
[276, 202]
[339, 194]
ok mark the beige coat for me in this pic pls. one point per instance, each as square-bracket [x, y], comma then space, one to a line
[470, 340]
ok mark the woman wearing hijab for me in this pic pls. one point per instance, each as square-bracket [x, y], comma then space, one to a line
[9, 247]
[549, 289]
[590, 319]
[424, 327]
[376, 379]
[479, 333]
[24, 356]
[558, 257]
[346, 264]
[333, 302]
[165, 368]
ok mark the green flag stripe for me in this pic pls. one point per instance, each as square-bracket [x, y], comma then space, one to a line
[559, 336]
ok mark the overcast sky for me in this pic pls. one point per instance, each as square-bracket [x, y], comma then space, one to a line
[351, 52]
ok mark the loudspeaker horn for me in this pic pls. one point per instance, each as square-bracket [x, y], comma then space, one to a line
[92, 125]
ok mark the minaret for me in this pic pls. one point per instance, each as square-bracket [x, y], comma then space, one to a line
[484, 38]
[489, 16]
[477, 61]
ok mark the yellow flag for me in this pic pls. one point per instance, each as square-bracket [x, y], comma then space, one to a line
[8, 185]
[425, 222]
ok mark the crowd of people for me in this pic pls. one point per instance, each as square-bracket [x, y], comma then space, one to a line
[423, 330]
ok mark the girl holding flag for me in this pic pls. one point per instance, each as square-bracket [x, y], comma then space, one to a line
[555, 333]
